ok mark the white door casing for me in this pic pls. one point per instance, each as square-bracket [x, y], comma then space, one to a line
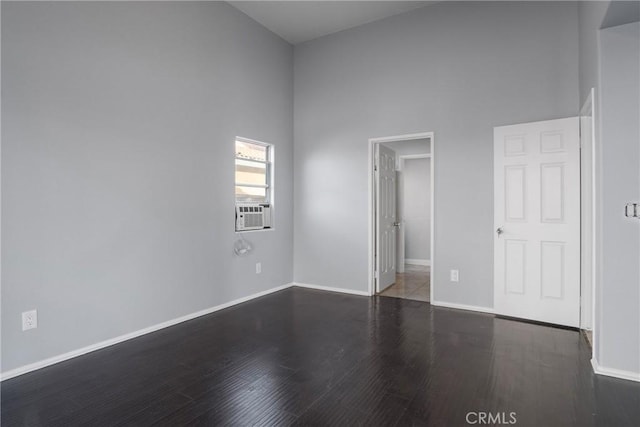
[373, 241]
[587, 212]
[537, 221]
[385, 182]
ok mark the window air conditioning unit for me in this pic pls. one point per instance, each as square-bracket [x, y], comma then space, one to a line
[253, 216]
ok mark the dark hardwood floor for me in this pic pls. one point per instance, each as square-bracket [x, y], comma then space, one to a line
[306, 357]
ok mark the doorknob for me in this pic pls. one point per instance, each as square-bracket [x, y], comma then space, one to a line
[396, 224]
[499, 230]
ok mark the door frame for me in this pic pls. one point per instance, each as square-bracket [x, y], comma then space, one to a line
[589, 110]
[372, 208]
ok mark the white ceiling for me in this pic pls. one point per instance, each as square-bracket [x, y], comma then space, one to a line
[300, 21]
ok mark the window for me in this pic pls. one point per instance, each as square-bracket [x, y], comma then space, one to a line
[253, 171]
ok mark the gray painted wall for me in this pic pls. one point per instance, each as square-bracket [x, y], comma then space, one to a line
[610, 62]
[618, 288]
[117, 166]
[621, 12]
[409, 147]
[117, 179]
[594, 15]
[417, 208]
[591, 14]
[457, 69]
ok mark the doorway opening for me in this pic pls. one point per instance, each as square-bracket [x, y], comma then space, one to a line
[401, 191]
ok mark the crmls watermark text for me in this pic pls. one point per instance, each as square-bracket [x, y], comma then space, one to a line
[492, 418]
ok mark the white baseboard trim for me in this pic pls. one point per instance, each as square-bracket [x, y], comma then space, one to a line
[79, 352]
[479, 309]
[331, 289]
[413, 261]
[616, 373]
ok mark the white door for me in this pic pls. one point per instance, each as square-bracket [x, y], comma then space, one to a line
[537, 221]
[385, 182]
[400, 239]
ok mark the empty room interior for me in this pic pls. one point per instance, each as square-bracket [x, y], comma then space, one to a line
[376, 213]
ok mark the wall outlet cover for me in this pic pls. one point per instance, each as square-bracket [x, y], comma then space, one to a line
[29, 320]
[455, 276]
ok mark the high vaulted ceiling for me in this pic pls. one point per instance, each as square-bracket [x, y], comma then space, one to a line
[300, 21]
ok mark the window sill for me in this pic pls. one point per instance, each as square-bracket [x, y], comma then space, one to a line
[255, 231]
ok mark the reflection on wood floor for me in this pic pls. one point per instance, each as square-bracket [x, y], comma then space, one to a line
[413, 284]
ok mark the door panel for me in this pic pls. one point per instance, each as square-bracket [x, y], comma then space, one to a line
[537, 213]
[515, 185]
[552, 268]
[515, 265]
[552, 193]
[385, 181]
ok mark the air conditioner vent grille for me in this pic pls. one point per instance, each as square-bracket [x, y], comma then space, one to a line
[253, 217]
[253, 220]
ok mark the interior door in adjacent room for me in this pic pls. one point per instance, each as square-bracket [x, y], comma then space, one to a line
[385, 192]
[537, 221]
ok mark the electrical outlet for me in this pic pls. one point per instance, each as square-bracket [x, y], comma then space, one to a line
[29, 320]
[258, 267]
[454, 276]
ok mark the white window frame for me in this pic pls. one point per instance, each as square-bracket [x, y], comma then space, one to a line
[268, 166]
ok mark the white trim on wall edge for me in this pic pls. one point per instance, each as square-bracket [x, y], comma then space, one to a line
[414, 261]
[616, 373]
[487, 310]
[107, 343]
[331, 289]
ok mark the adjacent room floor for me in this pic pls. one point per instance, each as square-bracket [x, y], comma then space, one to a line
[413, 284]
[306, 357]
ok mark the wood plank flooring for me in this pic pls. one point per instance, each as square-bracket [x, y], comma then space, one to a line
[306, 357]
